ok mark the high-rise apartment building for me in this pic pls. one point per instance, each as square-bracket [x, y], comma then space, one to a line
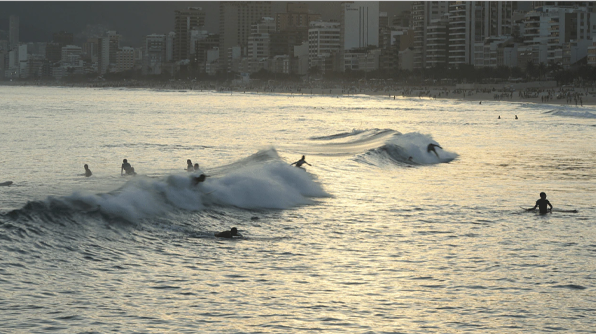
[155, 54]
[359, 24]
[13, 32]
[297, 16]
[107, 50]
[235, 21]
[425, 14]
[471, 22]
[184, 22]
[125, 59]
[71, 53]
[323, 42]
[202, 48]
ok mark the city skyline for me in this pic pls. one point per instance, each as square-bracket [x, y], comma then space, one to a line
[133, 20]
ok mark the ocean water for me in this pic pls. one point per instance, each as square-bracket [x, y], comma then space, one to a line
[376, 236]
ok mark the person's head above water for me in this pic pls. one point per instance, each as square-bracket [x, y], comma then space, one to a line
[234, 231]
[196, 166]
[86, 166]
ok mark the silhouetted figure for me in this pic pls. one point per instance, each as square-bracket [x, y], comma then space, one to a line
[542, 204]
[300, 162]
[198, 179]
[499, 117]
[189, 167]
[127, 168]
[515, 116]
[431, 148]
[228, 234]
[87, 171]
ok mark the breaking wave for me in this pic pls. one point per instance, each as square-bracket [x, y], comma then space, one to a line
[261, 181]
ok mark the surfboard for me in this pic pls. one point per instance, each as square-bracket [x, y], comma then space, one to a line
[4, 184]
[553, 210]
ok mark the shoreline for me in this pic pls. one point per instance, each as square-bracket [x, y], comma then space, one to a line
[572, 96]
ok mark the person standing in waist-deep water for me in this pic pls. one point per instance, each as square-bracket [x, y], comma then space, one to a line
[189, 167]
[431, 148]
[127, 168]
[301, 162]
[541, 204]
[87, 171]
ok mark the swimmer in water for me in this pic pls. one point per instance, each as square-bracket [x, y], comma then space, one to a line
[189, 167]
[300, 162]
[431, 148]
[87, 171]
[127, 168]
[541, 204]
[228, 234]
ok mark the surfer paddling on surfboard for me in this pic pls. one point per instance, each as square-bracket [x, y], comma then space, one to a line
[301, 162]
[541, 204]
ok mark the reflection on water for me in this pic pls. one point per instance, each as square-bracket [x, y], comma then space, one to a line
[364, 240]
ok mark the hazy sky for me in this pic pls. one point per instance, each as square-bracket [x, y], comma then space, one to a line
[134, 20]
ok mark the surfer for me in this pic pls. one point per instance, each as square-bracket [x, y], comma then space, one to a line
[541, 204]
[300, 162]
[189, 167]
[127, 168]
[198, 179]
[228, 234]
[431, 148]
[87, 171]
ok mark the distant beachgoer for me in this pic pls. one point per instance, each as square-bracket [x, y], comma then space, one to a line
[127, 168]
[541, 204]
[228, 234]
[189, 167]
[515, 116]
[196, 167]
[499, 117]
[431, 148]
[87, 171]
[300, 162]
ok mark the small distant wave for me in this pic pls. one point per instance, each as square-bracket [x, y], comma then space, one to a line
[380, 147]
[409, 148]
[577, 114]
[368, 134]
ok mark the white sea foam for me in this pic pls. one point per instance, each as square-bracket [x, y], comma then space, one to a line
[578, 114]
[273, 185]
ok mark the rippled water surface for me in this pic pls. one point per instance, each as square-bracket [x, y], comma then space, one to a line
[377, 236]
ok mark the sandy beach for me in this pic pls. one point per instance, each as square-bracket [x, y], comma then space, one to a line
[535, 92]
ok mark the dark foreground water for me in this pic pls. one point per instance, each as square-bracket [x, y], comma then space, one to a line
[366, 240]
